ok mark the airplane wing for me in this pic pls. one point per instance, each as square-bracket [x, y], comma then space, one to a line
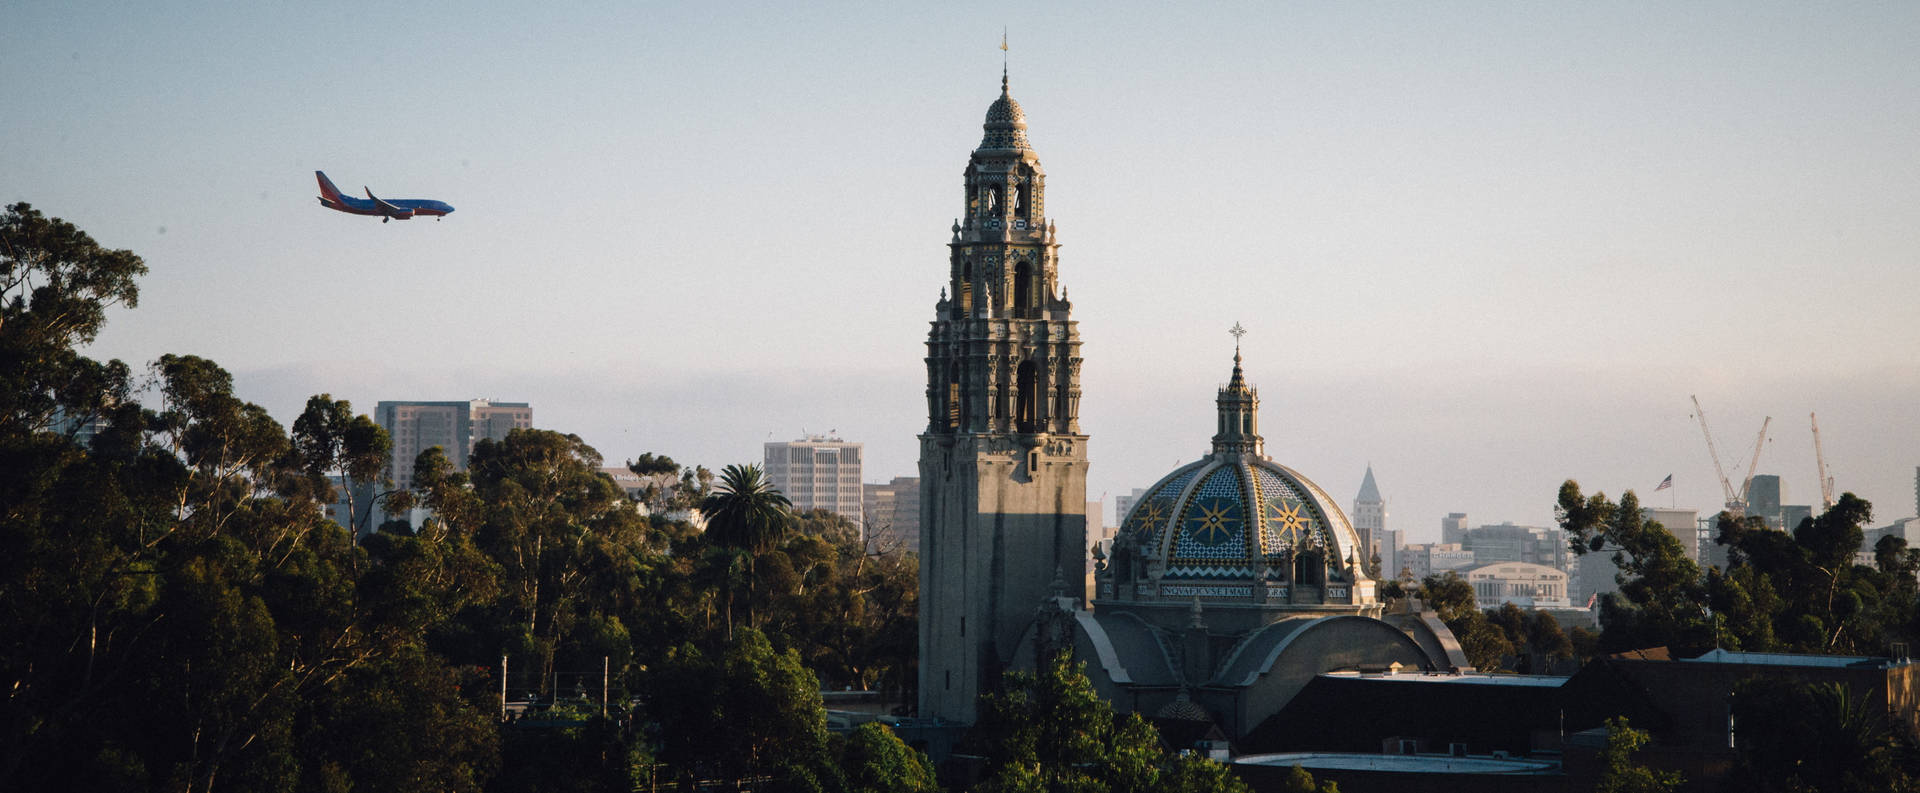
[389, 208]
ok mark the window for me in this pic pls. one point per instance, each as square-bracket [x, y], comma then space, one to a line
[1027, 416]
[1022, 288]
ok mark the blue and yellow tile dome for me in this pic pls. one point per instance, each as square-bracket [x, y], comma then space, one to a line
[1235, 513]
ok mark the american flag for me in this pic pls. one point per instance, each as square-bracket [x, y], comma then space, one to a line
[1664, 483]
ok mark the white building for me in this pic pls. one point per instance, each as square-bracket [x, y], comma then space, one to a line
[818, 472]
[1524, 584]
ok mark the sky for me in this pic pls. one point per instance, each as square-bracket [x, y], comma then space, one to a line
[1483, 248]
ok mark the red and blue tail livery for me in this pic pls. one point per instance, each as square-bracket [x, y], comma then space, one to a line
[385, 209]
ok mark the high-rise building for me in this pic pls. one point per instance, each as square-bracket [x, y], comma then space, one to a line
[893, 512]
[1003, 464]
[1683, 524]
[453, 426]
[1453, 527]
[1123, 503]
[1507, 542]
[1765, 494]
[1369, 519]
[1392, 553]
[818, 472]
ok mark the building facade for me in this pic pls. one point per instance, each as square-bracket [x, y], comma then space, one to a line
[453, 426]
[1529, 586]
[1003, 463]
[818, 472]
[893, 512]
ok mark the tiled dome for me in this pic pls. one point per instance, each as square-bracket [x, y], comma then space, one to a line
[1006, 126]
[1234, 514]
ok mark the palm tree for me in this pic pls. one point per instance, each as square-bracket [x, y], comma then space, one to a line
[748, 515]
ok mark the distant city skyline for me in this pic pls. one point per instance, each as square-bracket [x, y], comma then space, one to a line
[1485, 248]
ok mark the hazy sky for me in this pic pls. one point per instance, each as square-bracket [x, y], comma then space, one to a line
[1485, 247]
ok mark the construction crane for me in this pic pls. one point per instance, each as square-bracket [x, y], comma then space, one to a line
[1736, 499]
[1826, 482]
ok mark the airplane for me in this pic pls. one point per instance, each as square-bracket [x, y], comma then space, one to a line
[400, 208]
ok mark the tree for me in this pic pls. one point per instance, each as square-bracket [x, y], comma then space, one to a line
[746, 516]
[877, 761]
[648, 464]
[56, 285]
[745, 511]
[749, 712]
[1048, 730]
[1299, 780]
[1618, 772]
[1661, 600]
[566, 541]
[1452, 598]
[328, 438]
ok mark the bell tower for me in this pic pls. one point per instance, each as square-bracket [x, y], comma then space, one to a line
[1003, 464]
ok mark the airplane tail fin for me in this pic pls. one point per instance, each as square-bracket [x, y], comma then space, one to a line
[327, 190]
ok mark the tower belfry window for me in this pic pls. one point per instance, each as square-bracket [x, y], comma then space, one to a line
[963, 291]
[1027, 415]
[1022, 288]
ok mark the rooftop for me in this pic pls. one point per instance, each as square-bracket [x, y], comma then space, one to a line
[1468, 679]
[1402, 763]
[1795, 659]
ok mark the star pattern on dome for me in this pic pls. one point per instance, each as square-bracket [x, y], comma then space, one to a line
[1147, 515]
[1287, 519]
[1216, 522]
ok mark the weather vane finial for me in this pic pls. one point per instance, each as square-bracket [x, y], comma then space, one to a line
[1003, 59]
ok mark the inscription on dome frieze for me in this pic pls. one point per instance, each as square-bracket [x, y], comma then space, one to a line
[1205, 591]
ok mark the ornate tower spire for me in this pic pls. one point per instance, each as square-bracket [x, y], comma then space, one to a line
[1239, 405]
[1002, 462]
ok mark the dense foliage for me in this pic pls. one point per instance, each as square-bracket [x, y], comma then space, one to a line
[178, 611]
[1049, 731]
[1507, 638]
[1791, 591]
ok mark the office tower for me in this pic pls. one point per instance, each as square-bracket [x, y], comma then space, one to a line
[893, 513]
[818, 472]
[454, 426]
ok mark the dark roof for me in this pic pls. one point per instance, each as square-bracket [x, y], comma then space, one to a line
[1348, 713]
